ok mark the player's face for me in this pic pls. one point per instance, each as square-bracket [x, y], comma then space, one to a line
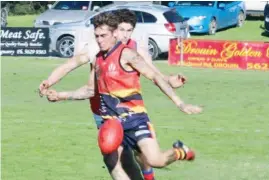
[105, 37]
[125, 31]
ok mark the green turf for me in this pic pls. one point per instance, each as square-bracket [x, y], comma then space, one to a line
[48, 141]
[21, 21]
[250, 31]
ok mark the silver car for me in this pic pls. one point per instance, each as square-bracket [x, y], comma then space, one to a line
[158, 21]
[68, 11]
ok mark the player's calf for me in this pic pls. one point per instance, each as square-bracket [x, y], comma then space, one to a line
[155, 158]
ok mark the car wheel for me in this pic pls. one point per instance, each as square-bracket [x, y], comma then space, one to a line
[240, 19]
[212, 27]
[153, 49]
[65, 46]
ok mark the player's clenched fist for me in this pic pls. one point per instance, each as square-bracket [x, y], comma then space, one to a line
[177, 80]
[52, 95]
[43, 87]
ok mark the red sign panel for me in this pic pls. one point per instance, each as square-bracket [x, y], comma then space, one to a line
[221, 54]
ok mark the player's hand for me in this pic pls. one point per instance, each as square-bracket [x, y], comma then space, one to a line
[190, 109]
[177, 81]
[52, 95]
[43, 88]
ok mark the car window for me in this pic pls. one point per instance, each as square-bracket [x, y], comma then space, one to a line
[266, 10]
[101, 3]
[224, 2]
[138, 16]
[96, 3]
[172, 16]
[148, 18]
[195, 3]
[72, 5]
[107, 2]
[165, 3]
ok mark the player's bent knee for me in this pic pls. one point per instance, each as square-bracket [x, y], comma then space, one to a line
[152, 153]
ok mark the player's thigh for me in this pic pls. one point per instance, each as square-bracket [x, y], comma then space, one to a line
[147, 143]
[150, 149]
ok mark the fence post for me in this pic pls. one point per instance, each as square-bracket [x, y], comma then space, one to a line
[181, 34]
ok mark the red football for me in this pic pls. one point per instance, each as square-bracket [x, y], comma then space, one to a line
[110, 136]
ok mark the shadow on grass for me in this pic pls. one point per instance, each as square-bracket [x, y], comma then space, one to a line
[265, 33]
[255, 18]
[219, 30]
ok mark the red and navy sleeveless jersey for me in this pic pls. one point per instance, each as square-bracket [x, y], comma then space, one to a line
[132, 44]
[119, 90]
[95, 101]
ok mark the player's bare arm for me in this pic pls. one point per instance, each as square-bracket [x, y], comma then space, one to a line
[134, 60]
[175, 81]
[62, 71]
[85, 92]
[82, 93]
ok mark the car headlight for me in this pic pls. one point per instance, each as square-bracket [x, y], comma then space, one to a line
[196, 19]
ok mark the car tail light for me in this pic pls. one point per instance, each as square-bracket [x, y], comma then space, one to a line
[170, 27]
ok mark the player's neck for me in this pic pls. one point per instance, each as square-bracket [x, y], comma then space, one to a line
[128, 41]
[111, 49]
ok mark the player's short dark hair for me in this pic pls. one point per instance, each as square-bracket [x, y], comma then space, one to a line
[126, 16]
[106, 18]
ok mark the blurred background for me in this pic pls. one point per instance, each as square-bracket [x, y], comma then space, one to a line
[220, 20]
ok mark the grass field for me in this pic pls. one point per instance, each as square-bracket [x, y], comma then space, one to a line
[251, 30]
[57, 141]
[21, 21]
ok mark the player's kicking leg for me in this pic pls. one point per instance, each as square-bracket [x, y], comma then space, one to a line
[153, 155]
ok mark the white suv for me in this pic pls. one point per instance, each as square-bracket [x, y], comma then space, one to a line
[255, 8]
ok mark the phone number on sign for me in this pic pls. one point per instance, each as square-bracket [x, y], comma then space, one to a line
[31, 51]
[258, 66]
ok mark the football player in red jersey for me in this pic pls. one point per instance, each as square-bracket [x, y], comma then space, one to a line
[117, 69]
[127, 23]
[87, 54]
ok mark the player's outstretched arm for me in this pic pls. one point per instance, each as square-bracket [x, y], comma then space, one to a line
[62, 71]
[133, 59]
[85, 92]
[175, 81]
